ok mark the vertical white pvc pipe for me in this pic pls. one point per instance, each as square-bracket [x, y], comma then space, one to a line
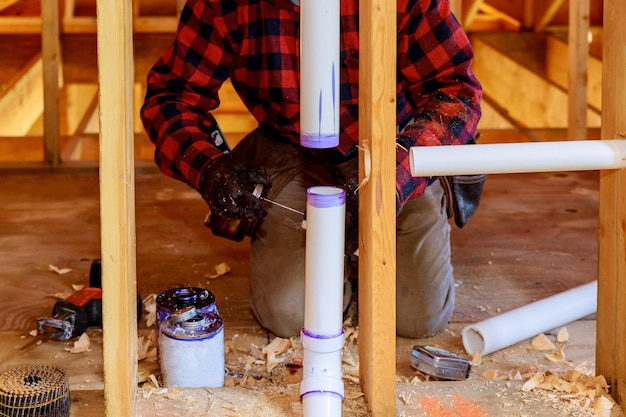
[322, 388]
[319, 73]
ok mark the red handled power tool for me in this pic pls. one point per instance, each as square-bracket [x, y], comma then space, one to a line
[71, 317]
[83, 309]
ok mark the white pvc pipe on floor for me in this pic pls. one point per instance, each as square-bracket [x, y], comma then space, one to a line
[530, 320]
[319, 73]
[503, 158]
[322, 388]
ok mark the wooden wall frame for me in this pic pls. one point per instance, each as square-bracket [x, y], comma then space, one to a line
[377, 240]
[611, 316]
[377, 205]
[117, 206]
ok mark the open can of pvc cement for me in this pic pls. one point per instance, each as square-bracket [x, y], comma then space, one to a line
[191, 349]
[178, 298]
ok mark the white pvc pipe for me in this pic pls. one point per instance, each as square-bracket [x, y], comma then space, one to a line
[503, 158]
[319, 73]
[528, 321]
[322, 388]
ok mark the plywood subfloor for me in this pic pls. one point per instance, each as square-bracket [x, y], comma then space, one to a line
[534, 236]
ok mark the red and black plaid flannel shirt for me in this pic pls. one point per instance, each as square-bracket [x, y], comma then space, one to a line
[256, 44]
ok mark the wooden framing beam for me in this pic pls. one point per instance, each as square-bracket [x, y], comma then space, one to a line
[20, 101]
[611, 315]
[6, 3]
[51, 56]
[377, 232]
[117, 190]
[578, 68]
[528, 19]
[470, 10]
[548, 14]
[85, 24]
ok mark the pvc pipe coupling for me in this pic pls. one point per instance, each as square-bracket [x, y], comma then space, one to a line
[322, 386]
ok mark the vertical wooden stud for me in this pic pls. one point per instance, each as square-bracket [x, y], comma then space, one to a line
[528, 19]
[377, 237]
[548, 13]
[470, 10]
[50, 55]
[578, 57]
[117, 206]
[611, 316]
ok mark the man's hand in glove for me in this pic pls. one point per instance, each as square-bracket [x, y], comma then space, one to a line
[227, 185]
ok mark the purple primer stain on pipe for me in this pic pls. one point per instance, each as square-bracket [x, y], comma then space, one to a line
[321, 336]
[326, 197]
[321, 140]
[320, 392]
[334, 93]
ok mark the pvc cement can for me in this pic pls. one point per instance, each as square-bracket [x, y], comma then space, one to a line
[178, 298]
[191, 349]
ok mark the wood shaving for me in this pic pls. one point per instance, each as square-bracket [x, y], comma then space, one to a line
[563, 335]
[33, 332]
[147, 347]
[533, 382]
[78, 287]
[149, 305]
[221, 269]
[276, 347]
[60, 271]
[477, 359]
[542, 343]
[61, 295]
[83, 344]
[603, 406]
[558, 356]
[490, 374]
[576, 388]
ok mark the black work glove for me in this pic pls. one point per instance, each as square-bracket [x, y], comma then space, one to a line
[227, 186]
[349, 173]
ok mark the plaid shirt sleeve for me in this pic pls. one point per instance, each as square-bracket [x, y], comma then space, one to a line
[182, 89]
[439, 97]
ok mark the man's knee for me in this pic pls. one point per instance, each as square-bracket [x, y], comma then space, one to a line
[425, 315]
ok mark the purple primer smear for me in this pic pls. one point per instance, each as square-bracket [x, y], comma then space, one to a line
[334, 94]
[318, 392]
[319, 141]
[326, 197]
[321, 336]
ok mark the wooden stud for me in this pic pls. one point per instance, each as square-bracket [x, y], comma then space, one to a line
[70, 6]
[470, 10]
[51, 56]
[6, 3]
[528, 18]
[119, 282]
[611, 316]
[548, 14]
[578, 68]
[377, 208]
[20, 102]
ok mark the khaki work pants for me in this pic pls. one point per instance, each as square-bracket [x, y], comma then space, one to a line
[425, 284]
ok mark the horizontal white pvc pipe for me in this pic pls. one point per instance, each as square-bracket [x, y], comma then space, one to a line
[322, 388]
[503, 158]
[530, 320]
[319, 73]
